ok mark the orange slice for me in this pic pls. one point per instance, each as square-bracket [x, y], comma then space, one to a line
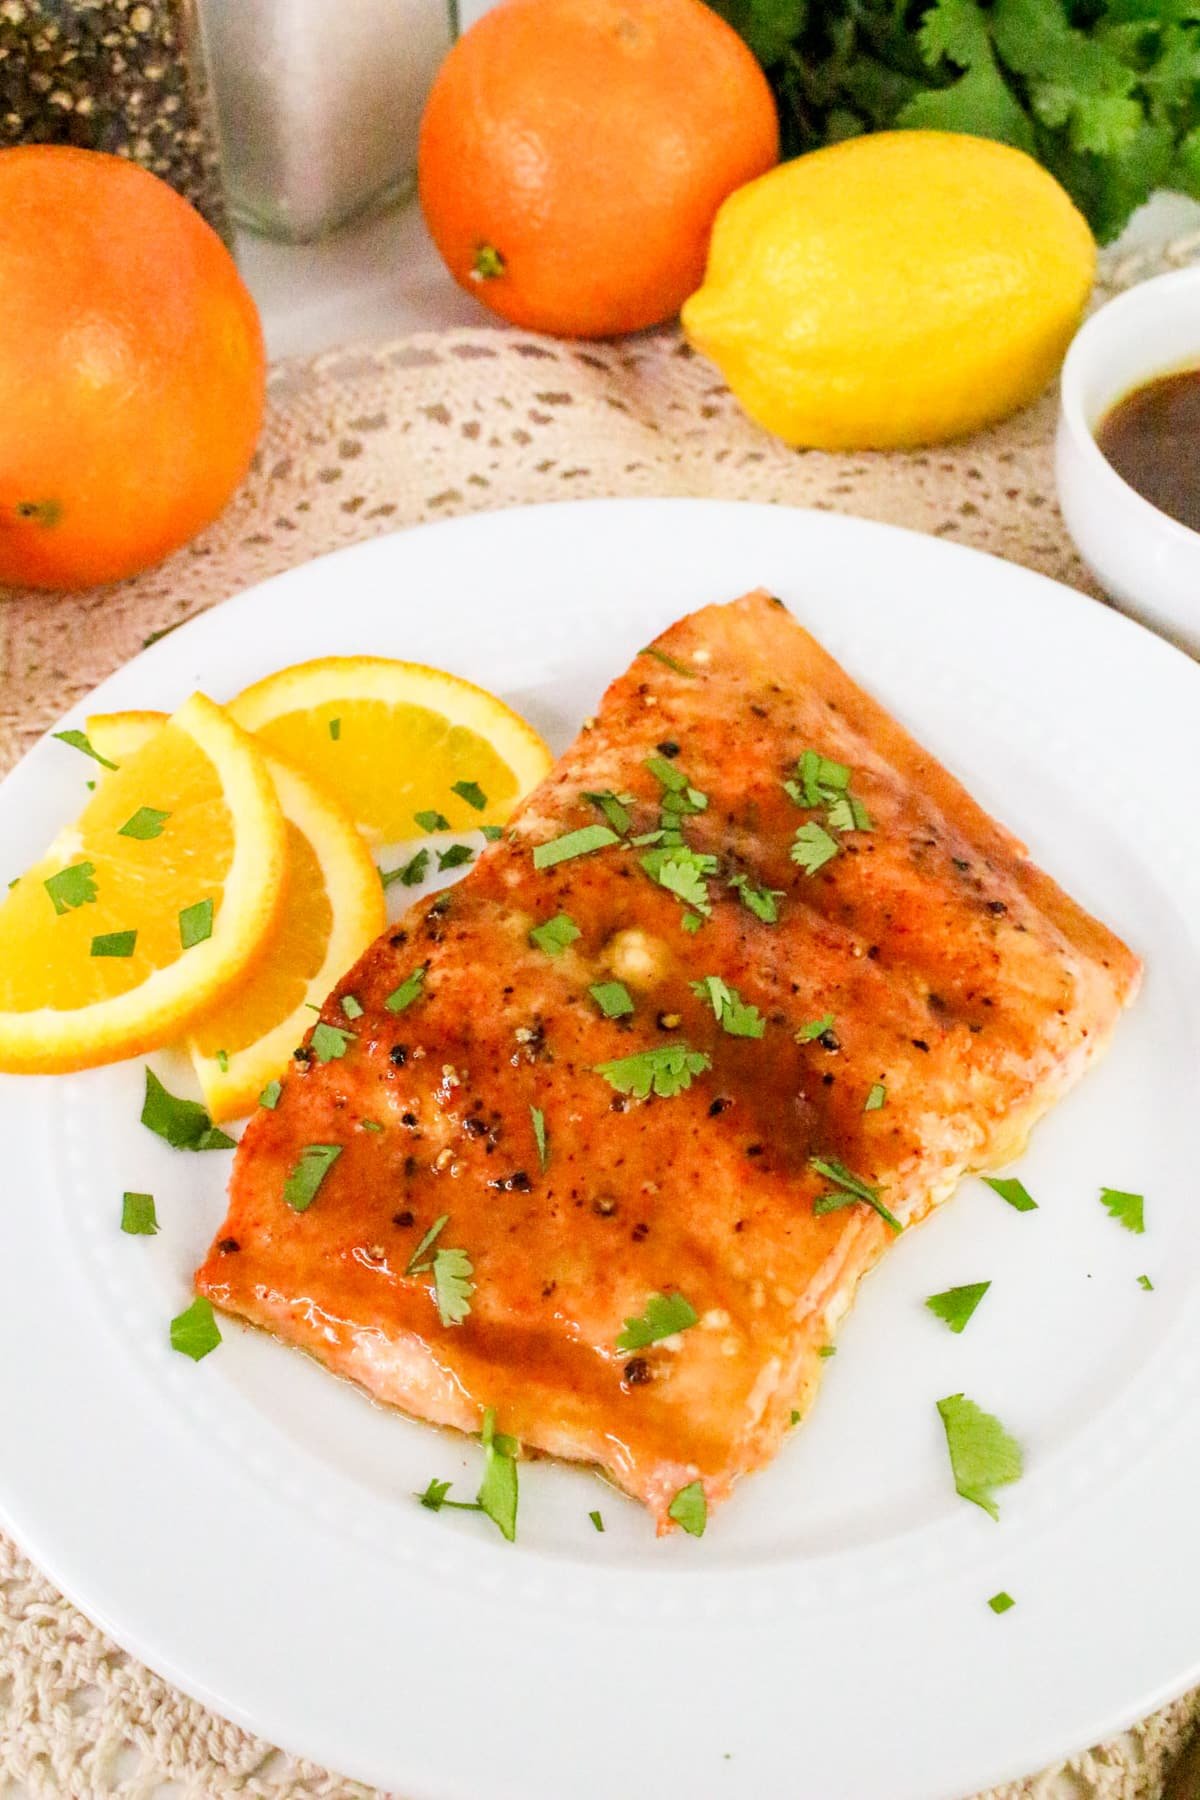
[154, 903]
[333, 907]
[394, 739]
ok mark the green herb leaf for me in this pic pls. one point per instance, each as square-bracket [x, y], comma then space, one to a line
[194, 1332]
[597, 1521]
[79, 740]
[432, 821]
[223, 1061]
[982, 1454]
[813, 847]
[554, 936]
[493, 833]
[138, 1216]
[667, 774]
[815, 1028]
[732, 1013]
[330, 1042]
[270, 1095]
[1126, 1209]
[954, 1306]
[689, 1508]
[761, 901]
[71, 887]
[665, 1314]
[455, 856]
[472, 793]
[669, 661]
[498, 1489]
[665, 1071]
[415, 1265]
[1012, 1190]
[409, 874]
[183, 1123]
[335, 729]
[691, 922]
[615, 808]
[876, 1098]
[573, 843]
[146, 822]
[196, 923]
[1145, 1282]
[538, 1121]
[849, 1189]
[434, 1496]
[683, 872]
[452, 1284]
[306, 1174]
[402, 997]
[114, 943]
[613, 998]
[351, 1006]
[1001, 1602]
[827, 1350]
[370, 1125]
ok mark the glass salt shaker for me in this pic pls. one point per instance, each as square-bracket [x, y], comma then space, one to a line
[320, 103]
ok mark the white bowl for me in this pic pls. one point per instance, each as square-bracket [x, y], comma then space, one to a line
[1148, 562]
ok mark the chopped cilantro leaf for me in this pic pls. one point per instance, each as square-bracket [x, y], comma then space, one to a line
[572, 844]
[452, 1285]
[849, 1189]
[554, 936]
[876, 1098]
[351, 1006]
[409, 873]
[615, 808]
[306, 1174]
[434, 1496]
[666, 774]
[827, 1350]
[196, 923]
[454, 856]
[270, 1095]
[1001, 1602]
[1126, 1209]
[982, 1454]
[223, 1061]
[1144, 1281]
[194, 1332]
[71, 887]
[597, 1521]
[813, 847]
[862, 818]
[114, 943]
[498, 1490]
[669, 661]
[955, 1306]
[1012, 1190]
[138, 1217]
[537, 1119]
[796, 1417]
[683, 872]
[335, 729]
[689, 1508]
[471, 792]
[665, 1071]
[761, 901]
[146, 822]
[408, 991]
[732, 1013]
[432, 821]
[370, 1125]
[183, 1123]
[414, 1265]
[613, 998]
[79, 740]
[493, 833]
[665, 1314]
[329, 1043]
[691, 922]
[814, 1029]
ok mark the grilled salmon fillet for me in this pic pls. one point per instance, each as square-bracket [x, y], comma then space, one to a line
[796, 985]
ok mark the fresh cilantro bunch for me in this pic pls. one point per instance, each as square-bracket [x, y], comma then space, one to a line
[1105, 93]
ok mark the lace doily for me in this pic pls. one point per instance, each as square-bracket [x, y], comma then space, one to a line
[361, 442]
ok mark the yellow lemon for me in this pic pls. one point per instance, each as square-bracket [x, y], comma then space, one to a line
[893, 290]
[333, 907]
[150, 906]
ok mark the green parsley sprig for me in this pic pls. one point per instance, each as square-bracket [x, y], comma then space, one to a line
[667, 1070]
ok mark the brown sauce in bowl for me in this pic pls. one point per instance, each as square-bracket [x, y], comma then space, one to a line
[1152, 440]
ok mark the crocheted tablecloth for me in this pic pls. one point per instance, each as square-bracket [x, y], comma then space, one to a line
[366, 441]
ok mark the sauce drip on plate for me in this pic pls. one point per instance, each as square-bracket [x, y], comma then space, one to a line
[1152, 440]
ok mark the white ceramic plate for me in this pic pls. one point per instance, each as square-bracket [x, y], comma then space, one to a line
[246, 1525]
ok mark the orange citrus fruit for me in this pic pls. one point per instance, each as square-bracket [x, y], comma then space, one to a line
[131, 369]
[573, 155]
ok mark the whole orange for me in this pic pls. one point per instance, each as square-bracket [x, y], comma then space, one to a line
[131, 369]
[574, 153]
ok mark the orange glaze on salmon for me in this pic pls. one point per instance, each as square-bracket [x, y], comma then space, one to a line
[958, 975]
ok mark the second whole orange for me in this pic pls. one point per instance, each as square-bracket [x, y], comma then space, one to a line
[574, 153]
